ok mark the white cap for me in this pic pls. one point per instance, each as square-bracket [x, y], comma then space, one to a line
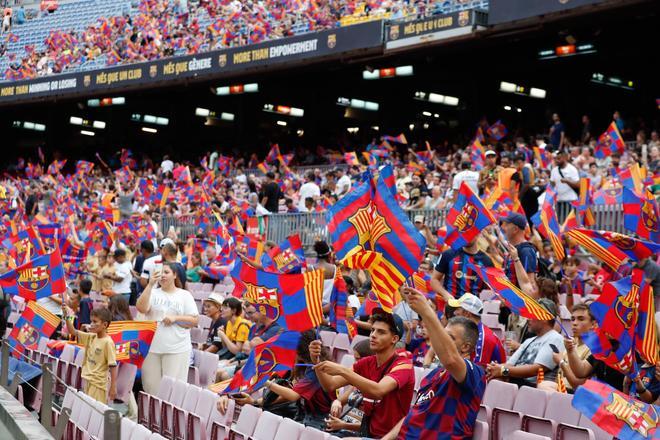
[165, 241]
[490, 152]
[468, 302]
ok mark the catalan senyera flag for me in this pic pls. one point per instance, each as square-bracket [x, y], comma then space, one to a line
[570, 222]
[612, 248]
[132, 340]
[296, 299]
[616, 413]
[641, 215]
[421, 281]
[385, 280]
[34, 322]
[518, 301]
[467, 218]
[39, 278]
[546, 222]
[584, 202]
[646, 340]
[609, 142]
[161, 196]
[341, 316]
[287, 257]
[275, 356]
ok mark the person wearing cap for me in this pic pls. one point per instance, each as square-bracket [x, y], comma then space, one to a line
[386, 379]
[534, 354]
[212, 308]
[431, 238]
[449, 397]
[489, 347]
[451, 275]
[521, 263]
[471, 178]
[122, 276]
[489, 174]
[565, 179]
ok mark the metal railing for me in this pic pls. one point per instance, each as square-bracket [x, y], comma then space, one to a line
[313, 226]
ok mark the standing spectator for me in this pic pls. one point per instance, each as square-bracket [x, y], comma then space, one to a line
[565, 179]
[175, 311]
[585, 135]
[85, 304]
[309, 189]
[557, 133]
[488, 176]
[451, 275]
[449, 397]
[471, 178]
[270, 193]
[166, 166]
[122, 276]
[99, 355]
[169, 254]
[514, 226]
[343, 183]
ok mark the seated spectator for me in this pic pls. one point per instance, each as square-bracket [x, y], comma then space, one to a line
[534, 354]
[489, 347]
[385, 379]
[236, 330]
[193, 274]
[592, 367]
[212, 308]
[647, 383]
[265, 326]
[119, 308]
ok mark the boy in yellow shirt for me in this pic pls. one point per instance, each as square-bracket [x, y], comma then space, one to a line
[99, 354]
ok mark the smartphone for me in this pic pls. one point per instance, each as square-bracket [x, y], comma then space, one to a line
[554, 348]
[237, 396]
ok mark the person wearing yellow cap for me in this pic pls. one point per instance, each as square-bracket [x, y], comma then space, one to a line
[489, 348]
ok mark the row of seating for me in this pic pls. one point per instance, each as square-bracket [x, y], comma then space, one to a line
[507, 408]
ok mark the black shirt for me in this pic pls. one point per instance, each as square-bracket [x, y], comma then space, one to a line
[272, 192]
[606, 374]
[213, 331]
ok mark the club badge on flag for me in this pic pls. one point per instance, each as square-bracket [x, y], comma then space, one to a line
[40, 278]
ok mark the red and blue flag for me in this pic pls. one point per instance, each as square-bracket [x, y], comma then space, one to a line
[497, 131]
[609, 196]
[467, 218]
[341, 316]
[641, 215]
[609, 142]
[287, 257]
[34, 322]
[547, 224]
[132, 340]
[613, 248]
[40, 278]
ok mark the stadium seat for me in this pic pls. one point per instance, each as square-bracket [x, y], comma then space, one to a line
[492, 307]
[180, 413]
[288, 429]
[126, 428]
[179, 391]
[125, 380]
[522, 435]
[204, 321]
[531, 401]
[198, 420]
[328, 337]
[558, 410]
[341, 346]
[139, 432]
[267, 426]
[198, 336]
[219, 424]
[313, 434]
[246, 422]
[498, 394]
[480, 430]
[149, 407]
[491, 321]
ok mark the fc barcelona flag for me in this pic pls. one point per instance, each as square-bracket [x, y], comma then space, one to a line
[275, 356]
[546, 222]
[132, 340]
[25, 243]
[609, 196]
[370, 303]
[40, 278]
[341, 316]
[497, 131]
[467, 218]
[646, 340]
[617, 413]
[609, 142]
[351, 158]
[287, 257]
[296, 299]
[385, 280]
[584, 202]
[641, 215]
[612, 248]
[518, 301]
[49, 234]
[35, 322]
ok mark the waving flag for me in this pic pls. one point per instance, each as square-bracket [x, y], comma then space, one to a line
[543, 158]
[71, 253]
[287, 257]
[49, 234]
[546, 222]
[296, 299]
[584, 202]
[609, 142]
[40, 278]
[617, 413]
[84, 167]
[467, 218]
[273, 153]
[34, 322]
[641, 215]
[646, 340]
[132, 340]
[400, 139]
[612, 248]
[570, 222]
[631, 178]
[609, 196]
[275, 356]
[341, 316]
[477, 154]
[518, 301]
[25, 243]
[385, 280]
[497, 131]
[351, 158]
[161, 196]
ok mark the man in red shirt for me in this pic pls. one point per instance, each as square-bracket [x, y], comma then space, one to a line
[489, 347]
[386, 379]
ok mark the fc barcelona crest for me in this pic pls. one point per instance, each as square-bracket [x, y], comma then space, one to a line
[153, 71]
[638, 416]
[648, 216]
[34, 278]
[369, 224]
[28, 335]
[463, 18]
[621, 241]
[467, 218]
[394, 32]
[332, 41]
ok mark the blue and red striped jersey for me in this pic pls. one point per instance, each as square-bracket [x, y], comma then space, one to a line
[459, 277]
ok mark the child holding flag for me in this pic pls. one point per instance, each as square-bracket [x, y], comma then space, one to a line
[99, 354]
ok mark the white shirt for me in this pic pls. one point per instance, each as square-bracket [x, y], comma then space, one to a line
[122, 270]
[471, 178]
[354, 302]
[149, 266]
[166, 166]
[309, 189]
[170, 338]
[343, 185]
[564, 192]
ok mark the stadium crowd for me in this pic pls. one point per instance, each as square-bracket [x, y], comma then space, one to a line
[120, 265]
[157, 29]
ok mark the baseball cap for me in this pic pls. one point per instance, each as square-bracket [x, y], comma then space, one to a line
[391, 319]
[165, 241]
[516, 219]
[216, 298]
[491, 153]
[418, 219]
[549, 305]
[468, 302]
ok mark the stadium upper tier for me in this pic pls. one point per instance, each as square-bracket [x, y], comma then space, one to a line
[92, 34]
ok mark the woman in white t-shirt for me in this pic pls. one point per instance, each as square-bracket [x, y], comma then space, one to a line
[176, 313]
